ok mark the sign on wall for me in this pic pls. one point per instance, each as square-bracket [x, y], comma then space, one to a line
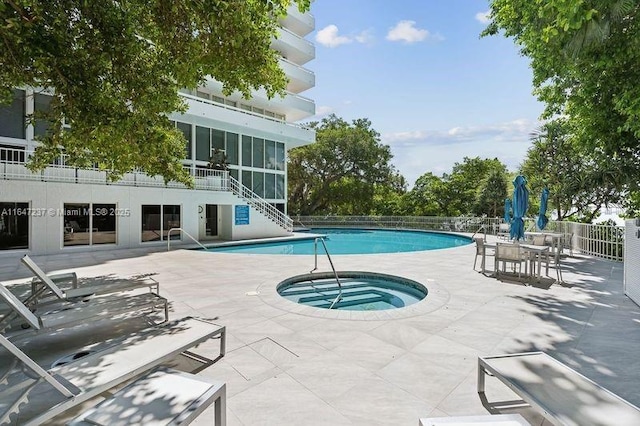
[242, 215]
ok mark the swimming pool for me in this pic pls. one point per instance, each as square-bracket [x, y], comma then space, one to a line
[355, 241]
[358, 291]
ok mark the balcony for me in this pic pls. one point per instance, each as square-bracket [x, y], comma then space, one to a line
[13, 167]
[293, 47]
[294, 107]
[300, 78]
[298, 23]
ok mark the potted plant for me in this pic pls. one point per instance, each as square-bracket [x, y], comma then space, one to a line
[218, 160]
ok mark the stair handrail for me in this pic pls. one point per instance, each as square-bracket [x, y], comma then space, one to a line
[315, 250]
[184, 232]
[260, 204]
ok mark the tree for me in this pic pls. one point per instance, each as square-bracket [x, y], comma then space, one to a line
[491, 194]
[116, 67]
[456, 193]
[461, 187]
[338, 173]
[585, 57]
[423, 199]
[577, 184]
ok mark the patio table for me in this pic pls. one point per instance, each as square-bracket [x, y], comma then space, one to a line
[556, 241]
[536, 253]
[533, 253]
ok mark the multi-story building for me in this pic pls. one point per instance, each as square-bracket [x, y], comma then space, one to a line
[63, 208]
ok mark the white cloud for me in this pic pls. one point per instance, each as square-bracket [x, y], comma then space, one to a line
[365, 37]
[328, 36]
[483, 17]
[323, 110]
[421, 151]
[407, 32]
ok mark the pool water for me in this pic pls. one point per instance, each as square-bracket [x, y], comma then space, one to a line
[361, 291]
[355, 241]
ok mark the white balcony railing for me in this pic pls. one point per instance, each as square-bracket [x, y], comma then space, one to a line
[13, 167]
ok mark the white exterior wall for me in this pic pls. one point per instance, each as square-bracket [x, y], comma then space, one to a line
[46, 201]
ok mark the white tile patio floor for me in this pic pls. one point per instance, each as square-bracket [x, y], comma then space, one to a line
[286, 365]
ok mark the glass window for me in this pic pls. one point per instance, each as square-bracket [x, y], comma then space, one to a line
[230, 103]
[269, 113]
[269, 185]
[246, 179]
[77, 224]
[218, 99]
[151, 223]
[258, 110]
[171, 219]
[203, 95]
[203, 143]
[280, 187]
[14, 226]
[246, 151]
[232, 148]
[233, 173]
[104, 224]
[245, 107]
[12, 120]
[258, 184]
[185, 128]
[12, 154]
[270, 154]
[279, 156]
[258, 153]
[42, 104]
[217, 140]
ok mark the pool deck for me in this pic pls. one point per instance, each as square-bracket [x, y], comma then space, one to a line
[288, 364]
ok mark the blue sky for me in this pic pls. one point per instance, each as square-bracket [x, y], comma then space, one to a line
[432, 88]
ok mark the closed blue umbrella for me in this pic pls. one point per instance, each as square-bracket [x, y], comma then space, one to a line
[507, 210]
[542, 215]
[520, 205]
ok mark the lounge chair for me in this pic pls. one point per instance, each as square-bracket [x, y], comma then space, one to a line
[562, 395]
[34, 401]
[69, 314]
[42, 281]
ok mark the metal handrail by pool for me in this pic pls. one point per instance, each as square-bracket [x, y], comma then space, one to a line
[315, 251]
[482, 228]
[184, 232]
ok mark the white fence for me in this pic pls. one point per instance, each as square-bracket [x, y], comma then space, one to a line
[605, 241]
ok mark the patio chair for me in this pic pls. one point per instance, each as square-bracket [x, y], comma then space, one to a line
[482, 250]
[38, 395]
[562, 395]
[539, 240]
[43, 282]
[504, 231]
[510, 253]
[69, 314]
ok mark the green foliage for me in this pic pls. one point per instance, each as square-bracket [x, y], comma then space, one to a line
[578, 184]
[585, 57]
[466, 190]
[339, 173]
[116, 68]
[491, 194]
